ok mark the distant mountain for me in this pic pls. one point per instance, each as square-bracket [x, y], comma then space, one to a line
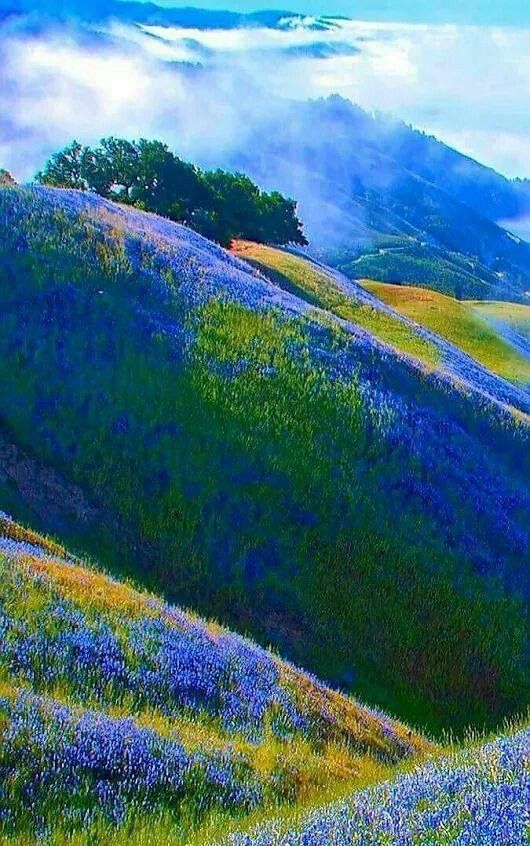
[411, 11]
[382, 200]
[151, 14]
[294, 458]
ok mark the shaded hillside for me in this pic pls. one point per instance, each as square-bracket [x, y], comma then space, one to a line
[262, 460]
[383, 201]
[115, 706]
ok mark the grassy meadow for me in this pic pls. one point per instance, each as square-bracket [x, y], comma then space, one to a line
[462, 323]
[318, 287]
[193, 425]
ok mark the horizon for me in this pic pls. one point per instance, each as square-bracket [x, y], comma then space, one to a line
[479, 12]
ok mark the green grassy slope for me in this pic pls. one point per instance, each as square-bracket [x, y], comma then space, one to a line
[408, 262]
[319, 289]
[186, 421]
[253, 733]
[461, 324]
[517, 316]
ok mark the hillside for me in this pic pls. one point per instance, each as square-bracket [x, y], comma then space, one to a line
[467, 326]
[115, 705]
[389, 203]
[176, 414]
[419, 322]
[126, 720]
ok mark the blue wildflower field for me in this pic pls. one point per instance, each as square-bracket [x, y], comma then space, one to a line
[114, 706]
[480, 797]
[274, 447]
[123, 717]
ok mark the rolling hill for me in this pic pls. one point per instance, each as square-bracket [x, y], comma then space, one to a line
[126, 720]
[341, 484]
[511, 321]
[118, 708]
[418, 322]
[467, 326]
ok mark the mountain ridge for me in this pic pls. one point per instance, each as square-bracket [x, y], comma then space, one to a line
[365, 199]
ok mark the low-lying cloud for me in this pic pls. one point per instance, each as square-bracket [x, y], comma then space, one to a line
[203, 90]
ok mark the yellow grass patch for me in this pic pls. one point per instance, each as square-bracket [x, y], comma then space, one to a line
[18, 533]
[91, 588]
[459, 322]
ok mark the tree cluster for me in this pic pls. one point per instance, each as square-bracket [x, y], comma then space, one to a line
[220, 205]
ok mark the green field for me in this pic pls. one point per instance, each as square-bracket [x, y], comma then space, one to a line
[318, 287]
[462, 324]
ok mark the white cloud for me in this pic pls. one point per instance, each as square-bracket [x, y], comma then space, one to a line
[468, 85]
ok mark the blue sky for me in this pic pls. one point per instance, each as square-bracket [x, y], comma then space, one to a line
[480, 12]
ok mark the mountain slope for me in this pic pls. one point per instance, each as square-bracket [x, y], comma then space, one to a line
[463, 324]
[380, 200]
[480, 796]
[115, 707]
[262, 460]
[418, 322]
[386, 202]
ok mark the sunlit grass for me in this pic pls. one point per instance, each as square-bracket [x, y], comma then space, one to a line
[318, 287]
[461, 324]
[516, 315]
[484, 784]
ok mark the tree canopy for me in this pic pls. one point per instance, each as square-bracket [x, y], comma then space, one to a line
[218, 204]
